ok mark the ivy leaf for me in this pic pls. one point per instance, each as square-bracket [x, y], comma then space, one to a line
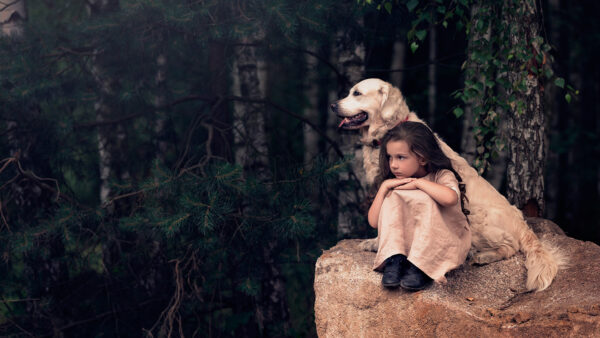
[458, 112]
[568, 97]
[414, 46]
[412, 4]
[421, 34]
[388, 7]
[560, 82]
[445, 24]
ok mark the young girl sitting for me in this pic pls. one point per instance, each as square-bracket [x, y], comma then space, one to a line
[423, 229]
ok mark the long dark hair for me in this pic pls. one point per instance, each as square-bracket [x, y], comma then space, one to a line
[422, 142]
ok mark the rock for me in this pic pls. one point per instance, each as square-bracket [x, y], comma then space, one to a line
[477, 301]
[544, 226]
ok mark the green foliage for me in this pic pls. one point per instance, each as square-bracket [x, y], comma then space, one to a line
[492, 56]
[183, 235]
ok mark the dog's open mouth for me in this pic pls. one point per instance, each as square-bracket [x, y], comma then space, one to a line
[354, 121]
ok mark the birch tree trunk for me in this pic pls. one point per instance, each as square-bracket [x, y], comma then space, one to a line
[13, 15]
[526, 121]
[26, 194]
[249, 119]
[352, 185]
[251, 153]
[109, 137]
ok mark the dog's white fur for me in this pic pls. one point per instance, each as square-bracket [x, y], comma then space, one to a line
[498, 228]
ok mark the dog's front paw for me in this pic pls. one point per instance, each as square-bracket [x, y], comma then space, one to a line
[368, 245]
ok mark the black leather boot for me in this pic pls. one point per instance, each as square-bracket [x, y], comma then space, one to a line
[393, 271]
[414, 279]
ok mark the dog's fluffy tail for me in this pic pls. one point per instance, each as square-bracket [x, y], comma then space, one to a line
[542, 260]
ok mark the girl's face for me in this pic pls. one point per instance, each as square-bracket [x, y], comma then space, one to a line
[403, 162]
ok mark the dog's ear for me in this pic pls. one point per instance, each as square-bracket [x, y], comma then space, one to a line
[384, 91]
[390, 106]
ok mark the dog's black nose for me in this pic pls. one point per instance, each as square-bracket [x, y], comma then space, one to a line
[334, 106]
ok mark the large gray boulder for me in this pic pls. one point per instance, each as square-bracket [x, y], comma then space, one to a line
[477, 301]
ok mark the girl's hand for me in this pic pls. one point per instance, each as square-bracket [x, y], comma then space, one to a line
[409, 183]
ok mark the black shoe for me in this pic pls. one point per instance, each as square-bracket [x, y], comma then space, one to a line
[414, 279]
[393, 271]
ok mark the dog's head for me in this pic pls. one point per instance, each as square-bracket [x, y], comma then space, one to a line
[373, 106]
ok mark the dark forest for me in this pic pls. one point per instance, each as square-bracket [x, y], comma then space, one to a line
[173, 168]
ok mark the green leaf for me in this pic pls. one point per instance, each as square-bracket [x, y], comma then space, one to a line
[458, 112]
[445, 24]
[414, 46]
[421, 34]
[568, 97]
[478, 86]
[388, 7]
[412, 4]
[441, 9]
[560, 82]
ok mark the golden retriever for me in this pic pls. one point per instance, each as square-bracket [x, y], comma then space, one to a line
[498, 228]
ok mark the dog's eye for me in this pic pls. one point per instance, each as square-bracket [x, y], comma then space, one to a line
[356, 93]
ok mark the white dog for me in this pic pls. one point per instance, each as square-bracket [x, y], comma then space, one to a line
[498, 228]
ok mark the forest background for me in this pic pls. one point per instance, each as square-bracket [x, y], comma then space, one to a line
[171, 168]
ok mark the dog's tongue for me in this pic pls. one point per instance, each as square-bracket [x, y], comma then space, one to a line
[343, 121]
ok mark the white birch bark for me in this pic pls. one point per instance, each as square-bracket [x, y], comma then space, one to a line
[350, 56]
[249, 117]
[527, 155]
[251, 152]
[13, 15]
[108, 137]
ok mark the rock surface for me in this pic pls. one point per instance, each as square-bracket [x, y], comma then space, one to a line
[477, 301]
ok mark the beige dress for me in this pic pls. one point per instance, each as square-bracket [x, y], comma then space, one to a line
[434, 238]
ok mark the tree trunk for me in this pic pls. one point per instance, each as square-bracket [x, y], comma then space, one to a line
[109, 137]
[160, 100]
[221, 117]
[526, 121]
[311, 113]
[468, 142]
[398, 63]
[432, 85]
[249, 117]
[251, 153]
[555, 187]
[352, 184]
[13, 15]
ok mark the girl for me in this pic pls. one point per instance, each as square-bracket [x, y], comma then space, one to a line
[423, 229]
